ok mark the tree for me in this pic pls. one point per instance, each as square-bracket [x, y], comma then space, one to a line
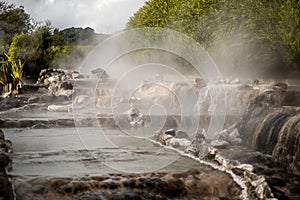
[41, 47]
[78, 36]
[36, 49]
[245, 35]
[13, 20]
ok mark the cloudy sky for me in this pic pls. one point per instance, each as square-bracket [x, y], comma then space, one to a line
[105, 16]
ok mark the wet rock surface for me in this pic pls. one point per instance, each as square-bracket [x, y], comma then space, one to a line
[262, 148]
[274, 131]
[38, 100]
[57, 80]
[272, 127]
[277, 98]
[193, 184]
[6, 187]
[283, 184]
[266, 138]
[217, 154]
[238, 98]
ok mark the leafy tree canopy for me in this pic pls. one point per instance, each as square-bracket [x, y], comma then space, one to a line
[245, 35]
[79, 36]
[13, 20]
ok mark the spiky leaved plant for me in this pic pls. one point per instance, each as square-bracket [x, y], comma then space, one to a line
[17, 72]
[3, 73]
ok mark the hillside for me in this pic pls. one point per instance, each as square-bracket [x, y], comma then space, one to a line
[80, 36]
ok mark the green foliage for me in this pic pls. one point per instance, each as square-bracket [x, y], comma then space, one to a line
[72, 36]
[12, 66]
[13, 20]
[154, 14]
[27, 47]
[79, 36]
[44, 49]
[14, 51]
[16, 70]
[11, 69]
[37, 49]
[71, 56]
[238, 34]
[3, 73]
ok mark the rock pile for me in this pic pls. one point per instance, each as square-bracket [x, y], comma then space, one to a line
[179, 139]
[100, 74]
[6, 188]
[57, 80]
[201, 147]
[135, 117]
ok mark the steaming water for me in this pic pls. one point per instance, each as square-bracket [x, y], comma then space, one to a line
[69, 152]
[65, 152]
[38, 115]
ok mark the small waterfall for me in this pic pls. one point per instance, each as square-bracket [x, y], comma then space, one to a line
[272, 124]
[237, 98]
[287, 149]
[222, 105]
[267, 132]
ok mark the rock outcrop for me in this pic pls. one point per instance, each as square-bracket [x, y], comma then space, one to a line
[267, 138]
[6, 187]
[272, 126]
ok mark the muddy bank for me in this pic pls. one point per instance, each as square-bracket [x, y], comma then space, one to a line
[6, 187]
[207, 184]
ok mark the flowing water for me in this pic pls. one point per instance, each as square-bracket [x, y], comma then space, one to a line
[85, 150]
[45, 148]
[80, 151]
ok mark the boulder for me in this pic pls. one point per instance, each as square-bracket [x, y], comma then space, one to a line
[59, 108]
[6, 188]
[99, 74]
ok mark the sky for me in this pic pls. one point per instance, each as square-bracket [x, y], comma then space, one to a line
[104, 16]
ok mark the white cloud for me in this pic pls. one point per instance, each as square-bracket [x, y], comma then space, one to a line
[105, 16]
